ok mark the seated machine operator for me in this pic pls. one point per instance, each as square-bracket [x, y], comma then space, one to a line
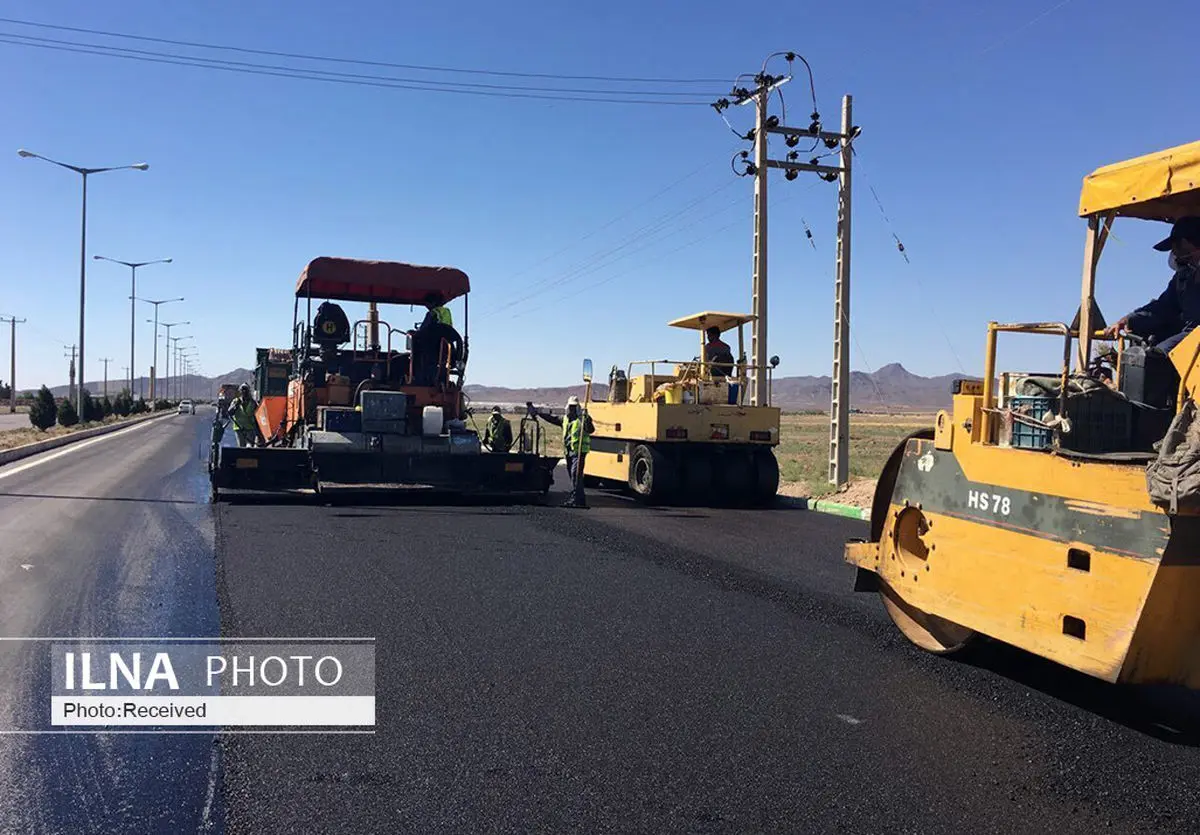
[1167, 320]
[427, 345]
[717, 355]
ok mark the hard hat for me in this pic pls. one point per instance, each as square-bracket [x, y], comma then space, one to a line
[496, 409]
[572, 400]
[244, 387]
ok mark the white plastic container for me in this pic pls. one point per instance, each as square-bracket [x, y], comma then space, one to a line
[431, 420]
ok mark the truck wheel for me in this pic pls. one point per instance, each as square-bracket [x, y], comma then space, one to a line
[651, 475]
[766, 469]
[697, 474]
[735, 475]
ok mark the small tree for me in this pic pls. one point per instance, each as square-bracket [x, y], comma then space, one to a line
[91, 409]
[43, 412]
[123, 404]
[106, 407]
[5, 391]
[67, 416]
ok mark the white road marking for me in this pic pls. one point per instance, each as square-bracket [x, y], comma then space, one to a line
[69, 448]
[849, 720]
[206, 816]
[26, 566]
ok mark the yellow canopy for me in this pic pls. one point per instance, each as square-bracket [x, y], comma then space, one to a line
[1164, 185]
[709, 319]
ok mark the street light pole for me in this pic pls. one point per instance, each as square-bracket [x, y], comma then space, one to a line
[133, 268]
[154, 375]
[12, 377]
[82, 172]
[168, 326]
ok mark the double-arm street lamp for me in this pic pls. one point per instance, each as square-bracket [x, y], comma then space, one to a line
[154, 366]
[133, 268]
[82, 172]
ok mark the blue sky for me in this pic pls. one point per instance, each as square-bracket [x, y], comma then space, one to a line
[979, 121]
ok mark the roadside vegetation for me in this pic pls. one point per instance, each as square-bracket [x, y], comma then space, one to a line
[50, 417]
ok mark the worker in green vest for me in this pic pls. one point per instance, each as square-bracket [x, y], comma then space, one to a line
[577, 429]
[437, 311]
[498, 435]
[241, 412]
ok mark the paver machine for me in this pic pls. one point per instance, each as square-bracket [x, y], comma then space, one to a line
[1026, 513]
[675, 431]
[371, 405]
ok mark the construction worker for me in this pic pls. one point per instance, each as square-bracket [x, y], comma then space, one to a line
[241, 412]
[497, 435]
[437, 311]
[1168, 319]
[717, 355]
[577, 440]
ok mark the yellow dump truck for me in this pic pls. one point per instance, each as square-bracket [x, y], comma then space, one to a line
[681, 431]
[1025, 513]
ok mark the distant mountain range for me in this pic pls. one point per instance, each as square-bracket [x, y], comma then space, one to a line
[892, 388]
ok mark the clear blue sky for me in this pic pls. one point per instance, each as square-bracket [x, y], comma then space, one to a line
[979, 121]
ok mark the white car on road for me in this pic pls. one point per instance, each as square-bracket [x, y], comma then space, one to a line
[187, 407]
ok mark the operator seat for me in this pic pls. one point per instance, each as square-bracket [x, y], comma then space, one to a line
[331, 329]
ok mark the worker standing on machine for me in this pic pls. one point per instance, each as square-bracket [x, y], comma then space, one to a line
[717, 355]
[577, 440]
[437, 311]
[241, 412]
[497, 435]
[1172, 316]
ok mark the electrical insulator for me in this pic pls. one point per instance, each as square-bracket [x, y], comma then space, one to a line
[792, 141]
[790, 174]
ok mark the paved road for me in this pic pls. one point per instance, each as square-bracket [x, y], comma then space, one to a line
[619, 669]
[17, 421]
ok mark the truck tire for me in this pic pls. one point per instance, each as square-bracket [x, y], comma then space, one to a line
[697, 474]
[766, 469]
[735, 477]
[651, 475]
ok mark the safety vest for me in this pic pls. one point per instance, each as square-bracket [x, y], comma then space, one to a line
[572, 430]
[443, 315]
[242, 413]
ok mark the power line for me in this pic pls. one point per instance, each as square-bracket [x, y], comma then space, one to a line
[119, 51]
[313, 75]
[358, 61]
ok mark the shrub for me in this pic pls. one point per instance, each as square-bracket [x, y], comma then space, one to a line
[92, 410]
[139, 407]
[67, 416]
[123, 404]
[106, 407]
[43, 412]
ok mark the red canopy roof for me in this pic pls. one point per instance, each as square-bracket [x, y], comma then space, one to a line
[389, 282]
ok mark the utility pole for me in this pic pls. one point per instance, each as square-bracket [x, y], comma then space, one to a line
[12, 376]
[71, 385]
[106, 361]
[840, 143]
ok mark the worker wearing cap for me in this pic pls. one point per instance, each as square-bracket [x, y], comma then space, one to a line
[577, 440]
[717, 355]
[497, 435]
[1168, 319]
[241, 412]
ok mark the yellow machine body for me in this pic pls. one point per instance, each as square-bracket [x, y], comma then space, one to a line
[680, 432]
[1058, 552]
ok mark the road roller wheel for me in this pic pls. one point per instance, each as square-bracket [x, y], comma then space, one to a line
[697, 474]
[736, 477]
[929, 632]
[766, 469]
[651, 475]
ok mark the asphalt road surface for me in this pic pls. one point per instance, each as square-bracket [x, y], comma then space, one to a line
[542, 669]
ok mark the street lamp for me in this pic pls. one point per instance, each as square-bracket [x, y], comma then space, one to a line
[133, 268]
[175, 363]
[168, 326]
[82, 172]
[154, 365]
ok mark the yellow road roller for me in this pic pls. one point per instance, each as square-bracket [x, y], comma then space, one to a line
[1026, 514]
[682, 432]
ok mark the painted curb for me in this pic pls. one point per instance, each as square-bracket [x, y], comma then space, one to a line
[822, 506]
[26, 450]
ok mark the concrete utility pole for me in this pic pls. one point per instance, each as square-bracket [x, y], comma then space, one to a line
[12, 375]
[71, 386]
[106, 361]
[766, 124]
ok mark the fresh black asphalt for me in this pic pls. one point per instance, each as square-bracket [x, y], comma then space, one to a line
[539, 669]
